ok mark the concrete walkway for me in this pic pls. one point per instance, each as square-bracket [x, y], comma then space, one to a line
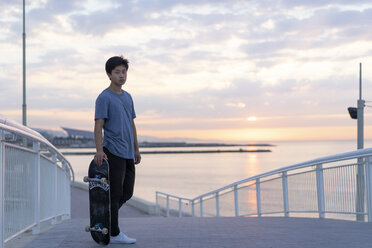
[160, 232]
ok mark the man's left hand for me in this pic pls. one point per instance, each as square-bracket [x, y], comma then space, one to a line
[137, 158]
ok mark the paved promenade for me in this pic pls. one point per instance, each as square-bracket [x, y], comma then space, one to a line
[160, 232]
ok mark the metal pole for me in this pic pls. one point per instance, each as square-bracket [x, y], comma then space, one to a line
[55, 193]
[361, 104]
[285, 194]
[217, 205]
[369, 187]
[167, 213]
[157, 204]
[236, 199]
[180, 207]
[320, 190]
[36, 149]
[258, 197]
[360, 175]
[24, 107]
[2, 193]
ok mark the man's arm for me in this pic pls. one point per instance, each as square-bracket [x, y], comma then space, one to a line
[137, 155]
[100, 155]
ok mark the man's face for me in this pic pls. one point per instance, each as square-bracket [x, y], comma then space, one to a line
[118, 75]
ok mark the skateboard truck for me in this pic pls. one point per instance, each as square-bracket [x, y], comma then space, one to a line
[97, 180]
[97, 228]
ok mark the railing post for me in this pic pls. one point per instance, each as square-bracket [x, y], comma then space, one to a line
[180, 207]
[201, 207]
[67, 192]
[320, 190]
[217, 205]
[360, 191]
[167, 212]
[157, 203]
[236, 200]
[285, 193]
[36, 148]
[55, 198]
[369, 187]
[2, 170]
[193, 208]
[258, 197]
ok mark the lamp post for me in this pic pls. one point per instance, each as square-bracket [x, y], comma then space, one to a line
[24, 106]
[360, 174]
[358, 113]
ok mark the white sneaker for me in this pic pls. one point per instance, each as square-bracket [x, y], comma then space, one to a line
[122, 239]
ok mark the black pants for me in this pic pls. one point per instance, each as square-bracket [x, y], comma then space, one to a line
[122, 174]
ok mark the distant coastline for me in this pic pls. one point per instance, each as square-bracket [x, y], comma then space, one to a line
[184, 145]
[179, 152]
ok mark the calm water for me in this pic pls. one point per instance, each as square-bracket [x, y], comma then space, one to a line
[190, 175]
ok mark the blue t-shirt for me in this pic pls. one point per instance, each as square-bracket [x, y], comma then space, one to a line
[118, 112]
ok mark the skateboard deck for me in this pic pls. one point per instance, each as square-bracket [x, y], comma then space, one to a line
[99, 202]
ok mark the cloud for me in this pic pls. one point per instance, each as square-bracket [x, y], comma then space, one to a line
[207, 64]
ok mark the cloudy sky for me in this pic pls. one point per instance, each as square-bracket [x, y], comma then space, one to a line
[232, 70]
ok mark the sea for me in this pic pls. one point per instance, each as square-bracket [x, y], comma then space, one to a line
[191, 174]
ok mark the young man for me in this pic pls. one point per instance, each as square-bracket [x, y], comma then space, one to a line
[115, 114]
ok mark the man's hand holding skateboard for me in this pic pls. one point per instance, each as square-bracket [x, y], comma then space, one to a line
[99, 157]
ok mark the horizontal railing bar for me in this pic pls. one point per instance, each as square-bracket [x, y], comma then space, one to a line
[49, 159]
[279, 212]
[271, 179]
[298, 211]
[248, 215]
[25, 149]
[20, 232]
[353, 213]
[174, 196]
[340, 166]
[226, 192]
[247, 186]
[52, 217]
[300, 173]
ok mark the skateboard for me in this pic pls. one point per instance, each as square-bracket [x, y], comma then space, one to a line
[99, 202]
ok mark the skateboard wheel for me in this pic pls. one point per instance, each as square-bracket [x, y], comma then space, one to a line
[86, 179]
[87, 228]
[103, 180]
[105, 231]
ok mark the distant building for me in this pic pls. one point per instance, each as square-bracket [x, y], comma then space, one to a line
[78, 134]
[69, 137]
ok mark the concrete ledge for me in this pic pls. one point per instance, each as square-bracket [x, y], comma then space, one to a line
[143, 205]
[80, 185]
[138, 203]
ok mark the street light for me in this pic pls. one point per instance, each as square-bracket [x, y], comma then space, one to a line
[353, 112]
[358, 113]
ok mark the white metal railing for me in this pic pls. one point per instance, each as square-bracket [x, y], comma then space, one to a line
[338, 186]
[34, 181]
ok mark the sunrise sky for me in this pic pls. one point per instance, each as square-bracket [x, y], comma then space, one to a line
[257, 70]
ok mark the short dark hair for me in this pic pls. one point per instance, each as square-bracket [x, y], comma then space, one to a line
[115, 61]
